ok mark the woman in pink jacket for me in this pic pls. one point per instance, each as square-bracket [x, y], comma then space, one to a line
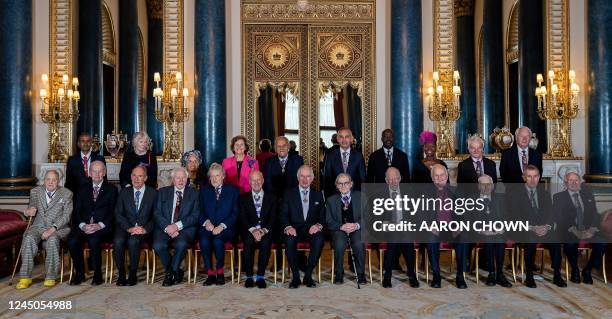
[238, 167]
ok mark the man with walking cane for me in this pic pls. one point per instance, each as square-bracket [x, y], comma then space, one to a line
[50, 207]
[343, 217]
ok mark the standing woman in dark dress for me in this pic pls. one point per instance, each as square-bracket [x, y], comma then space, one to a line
[139, 154]
[421, 172]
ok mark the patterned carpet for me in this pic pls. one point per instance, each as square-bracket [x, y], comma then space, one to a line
[325, 301]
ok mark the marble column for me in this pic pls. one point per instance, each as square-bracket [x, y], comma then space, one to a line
[155, 63]
[599, 56]
[407, 76]
[15, 97]
[128, 67]
[210, 111]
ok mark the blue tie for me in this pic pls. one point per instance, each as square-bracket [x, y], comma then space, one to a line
[137, 200]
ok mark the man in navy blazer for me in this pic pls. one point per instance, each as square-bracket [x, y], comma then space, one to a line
[343, 160]
[281, 170]
[176, 217]
[476, 165]
[302, 219]
[92, 222]
[217, 222]
[514, 159]
[133, 223]
[77, 167]
[579, 221]
[387, 156]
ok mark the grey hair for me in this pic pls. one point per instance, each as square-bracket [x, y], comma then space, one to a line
[475, 138]
[54, 171]
[571, 172]
[178, 169]
[140, 135]
[343, 175]
[255, 172]
[281, 138]
[519, 128]
[216, 167]
[97, 162]
[438, 166]
[391, 168]
[303, 167]
[485, 178]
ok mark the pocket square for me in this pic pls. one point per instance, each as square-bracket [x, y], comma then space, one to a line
[316, 203]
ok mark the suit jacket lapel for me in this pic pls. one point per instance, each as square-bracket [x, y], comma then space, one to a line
[42, 197]
[355, 201]
[310, 202]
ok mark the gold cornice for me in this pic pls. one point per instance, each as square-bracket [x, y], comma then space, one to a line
[155, 9]
[315, 11]
[463, 8]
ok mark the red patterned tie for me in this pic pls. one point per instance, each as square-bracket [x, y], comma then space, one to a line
[85, 165]
[177, 208]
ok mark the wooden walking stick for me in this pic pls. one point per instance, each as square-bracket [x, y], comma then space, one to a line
[20, 248]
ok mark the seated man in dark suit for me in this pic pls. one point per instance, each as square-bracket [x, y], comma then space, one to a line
[533, 204]
[343, 159]
[133, 223]
[217, 222]
[579, 221]
[92, 222]
[77, 166]
[387, 156]
[302, 219]
[516, 158]
[258, 210]
[343, 216]
[176, 216]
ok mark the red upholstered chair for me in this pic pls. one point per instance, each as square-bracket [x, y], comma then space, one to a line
[12, 226]
[228, 248]
[582, 246]
[240, 247]
[303, 246]
[509, 247]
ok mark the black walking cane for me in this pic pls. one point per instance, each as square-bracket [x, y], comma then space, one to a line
[20, 248]
[352, 256]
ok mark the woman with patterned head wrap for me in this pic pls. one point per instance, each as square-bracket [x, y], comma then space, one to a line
[421, 172]
[192, 161]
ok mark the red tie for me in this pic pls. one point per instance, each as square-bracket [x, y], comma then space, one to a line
[85, 162]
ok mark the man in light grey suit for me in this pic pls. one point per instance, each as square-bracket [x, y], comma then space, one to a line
[177, 210]
[51, 208]
[343, 217]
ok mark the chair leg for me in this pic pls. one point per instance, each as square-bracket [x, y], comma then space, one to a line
[147, 258]
[380, 264]
[239, 266]
[416, 263]
[450, 269]
[477, 251]
[542, 262]
[370, 265]
[154, 267]
[195, 265]
[512, 253]
[426, 261]
[62, 265]
[566, 269]
[319, 269]
[603, 268]
[523, 265]
[332, 267]
[189, 253]
[109, 256]
[232, 264]
[275, 265]
[71, 269]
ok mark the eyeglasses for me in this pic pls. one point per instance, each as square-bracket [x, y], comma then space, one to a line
[343, 184]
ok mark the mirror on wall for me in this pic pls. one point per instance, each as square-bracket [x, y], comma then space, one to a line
[339, 106]
[278, 112]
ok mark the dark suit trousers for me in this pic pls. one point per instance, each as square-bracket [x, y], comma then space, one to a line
[555, 256]
[392, 255]
[595, 261]
[494, 253]
[161, 243]
[433, 250]
[316, 244]
[75, 244]
[133, 242]
[249, 253]
[340, 243]
[210, 242]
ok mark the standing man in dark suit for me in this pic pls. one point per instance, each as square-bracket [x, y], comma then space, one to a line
[258, 210]
[176, 216]
[217, 222]
[77, 167]
[470, 169]
[344, 159]
[516, 158]
[387, 156]
[343, 216]
[302, 219]
[533, 204]
[579, 221]
[133, 223]
[92, 222]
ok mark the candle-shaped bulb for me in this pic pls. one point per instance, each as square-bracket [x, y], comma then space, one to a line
[539, 78]
[440, 90]
[543, 90]
[156, 77]
[537, 91]
[436, 76]
[60, 92]
[45, 78]
[76, 95]
[554, 89]
[179, 76]
[75, 81]
[65, 79]
[575, 89]
[173, 92]
[456, 90]
[551, 75]
[70, 93]
[43, 93]
[185, 92]
[456, 75]
[430, 90]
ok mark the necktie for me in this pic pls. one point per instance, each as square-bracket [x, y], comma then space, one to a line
[524, 159]
[96, 192]
[579, 212]
[345, 161]
[177, 208]
[346, 201]
[532, 197]
[389, 158]
[305, 203]
[478, 168]
[283, 162]
[257, 202]
[217, 192]
[85, 165]
[137, 200]
[50, 195]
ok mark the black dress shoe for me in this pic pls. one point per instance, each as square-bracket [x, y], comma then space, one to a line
[529, 282]
[295, 283]
[502, 281]
[558, 280]
[121, 281]
[210, 280]
[97, 280]
[180, 275]
[361, 279]
[586, 277]
[132, 279]
[460, 281]
[220, 279]
[77, 280]
[338, 280]
[261, 283]
[308, 282]
[387, 283]
[249, 283]
[491, 280]
[168, 279]
[413, 281]
[436, 281]
[575, 277]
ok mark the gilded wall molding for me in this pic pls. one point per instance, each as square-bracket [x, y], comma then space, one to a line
[463, 8]
[314, 11]
[173, 55]
[155, 9]
[60, 60]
